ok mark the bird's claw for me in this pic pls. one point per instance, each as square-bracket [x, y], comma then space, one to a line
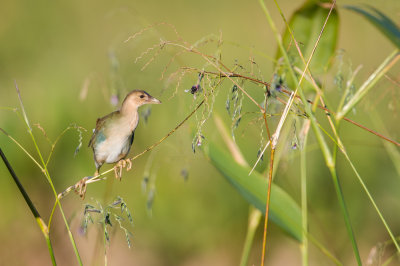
[80, 187]
[118, 170]
[129, 164]
[122, 164]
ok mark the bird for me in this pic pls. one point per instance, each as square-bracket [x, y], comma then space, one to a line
[114, 133]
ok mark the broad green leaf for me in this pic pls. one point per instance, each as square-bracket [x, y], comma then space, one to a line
[306, 24]
[284, 211]
[381, 22]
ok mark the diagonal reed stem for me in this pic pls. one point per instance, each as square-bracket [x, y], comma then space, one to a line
[314, 125]
[47, 175]
[42, 225]
[303, 178]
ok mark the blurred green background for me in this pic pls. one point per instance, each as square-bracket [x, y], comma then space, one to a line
[70, 57]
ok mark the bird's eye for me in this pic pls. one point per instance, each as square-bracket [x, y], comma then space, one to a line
[142, 96]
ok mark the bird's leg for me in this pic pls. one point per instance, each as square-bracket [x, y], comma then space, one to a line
[80, 187]
[122, 164]
[118, 169]
[98, 166]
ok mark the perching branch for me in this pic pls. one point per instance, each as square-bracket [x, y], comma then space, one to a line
[80, 187]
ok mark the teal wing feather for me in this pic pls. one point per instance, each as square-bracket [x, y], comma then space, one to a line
[98, 134]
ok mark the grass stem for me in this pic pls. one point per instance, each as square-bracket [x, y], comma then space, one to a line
[303, 180]
[254, 220]
[38, 218]
[47, 175]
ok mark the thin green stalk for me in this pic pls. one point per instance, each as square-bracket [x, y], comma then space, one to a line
[254, 215]
[346, 92]
[49, 247]
[336, 145]
[53, 145]
[38, 218]
[373, 203]
[339, 145]
[23, 149]
[392, 151]
[324, 250]
[323, 145]
[346, 216]
[369, 83]
[254, 220]
[237, 155]
[47, 175]
[303, 178]
[274, 142]
[52, 214]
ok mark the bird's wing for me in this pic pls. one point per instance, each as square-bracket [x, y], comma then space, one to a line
[100, 124]
[132, 137]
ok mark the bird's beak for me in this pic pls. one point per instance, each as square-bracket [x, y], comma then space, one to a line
[154, 101]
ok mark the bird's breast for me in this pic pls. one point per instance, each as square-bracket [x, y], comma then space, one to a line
[113, 150]
[117, 142]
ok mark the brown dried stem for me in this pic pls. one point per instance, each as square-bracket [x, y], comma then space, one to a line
[286, 91]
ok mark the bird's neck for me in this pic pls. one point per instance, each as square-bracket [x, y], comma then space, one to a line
[128, 110]
[130, 115]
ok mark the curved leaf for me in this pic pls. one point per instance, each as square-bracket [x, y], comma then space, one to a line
[306, 24]
[381, 22]
[284, 211]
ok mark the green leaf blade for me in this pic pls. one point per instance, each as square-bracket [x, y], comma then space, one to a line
[284, 211]
[306, 24]
[381, 22]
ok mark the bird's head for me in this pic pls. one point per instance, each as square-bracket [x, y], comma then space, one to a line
[137, 98]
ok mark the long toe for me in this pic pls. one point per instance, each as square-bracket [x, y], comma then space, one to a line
[120, 173]
[80, 187]
[129, 164]
[116, 171]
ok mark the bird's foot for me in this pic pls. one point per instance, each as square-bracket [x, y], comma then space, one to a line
[80, 187]
[122, 164]
[128, 164]
[118, 169]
